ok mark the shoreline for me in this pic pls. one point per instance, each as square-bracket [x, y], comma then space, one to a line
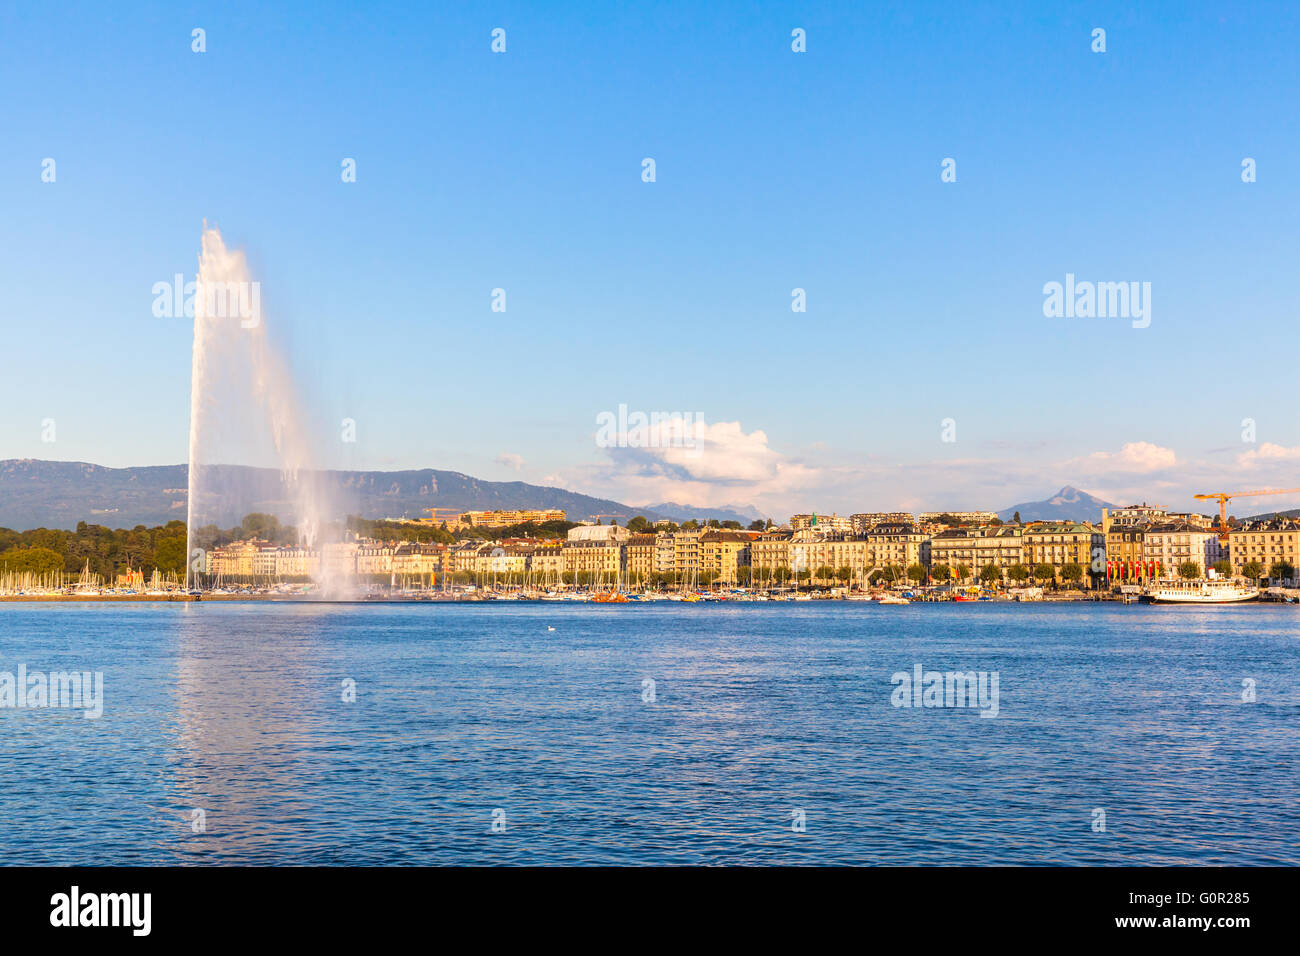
[292, 599]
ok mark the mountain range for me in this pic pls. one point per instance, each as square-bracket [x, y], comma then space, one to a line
[58, 494]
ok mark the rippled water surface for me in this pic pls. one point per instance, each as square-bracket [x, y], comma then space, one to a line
[759, 711]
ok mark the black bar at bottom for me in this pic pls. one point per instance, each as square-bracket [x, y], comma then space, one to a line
[336, 905]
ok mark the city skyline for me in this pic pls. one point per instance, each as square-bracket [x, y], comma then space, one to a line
[776, 171]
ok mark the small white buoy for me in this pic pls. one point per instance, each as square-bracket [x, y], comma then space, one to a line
[550, 628]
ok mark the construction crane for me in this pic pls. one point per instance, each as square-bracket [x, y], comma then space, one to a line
[438, 515]
[1224, 497]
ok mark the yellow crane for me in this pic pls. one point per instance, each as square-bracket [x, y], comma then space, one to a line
[1224, 497]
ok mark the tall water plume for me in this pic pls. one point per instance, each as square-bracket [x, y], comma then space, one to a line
[245, 413]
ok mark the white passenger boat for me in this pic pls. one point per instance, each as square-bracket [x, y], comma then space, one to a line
[893, 599]
[1198, 592]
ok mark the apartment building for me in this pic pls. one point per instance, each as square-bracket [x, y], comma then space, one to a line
[1266, 541]
[639, 557]
[1058, 543]
[591, 560]
[1171, 545]
[767, 553]
[724, 553]
[810, 551]
[900, 544]
[999, 545]
[1126, 559]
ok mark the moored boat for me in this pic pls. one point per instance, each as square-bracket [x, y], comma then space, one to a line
[1198, 592]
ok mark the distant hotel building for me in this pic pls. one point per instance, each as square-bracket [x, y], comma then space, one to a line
[965, 517]
[820, 523]
[502, 519]
[865, 522]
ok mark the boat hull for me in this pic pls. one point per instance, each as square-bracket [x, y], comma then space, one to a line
[1225, 597]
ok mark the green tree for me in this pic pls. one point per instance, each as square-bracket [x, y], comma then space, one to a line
[1282, 571]
[1189, 570]
[962, 571]
[31, 560]
[1223, 568]
[1044, 572]
[824, 574]
[782, 575]
[990, 574]
[1016, 517]
[638, 524]
[1018, 573]
[1253, 570]
[844, 573]
[170, 555]
[941, 573]
[916, 573]
[1072, 572]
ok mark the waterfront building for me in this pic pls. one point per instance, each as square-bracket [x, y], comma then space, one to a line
[1172, 544]
[769, 552]
[338, 559]
[1126, 559]
[639, 558]
[420, 561]
[1058, 543]
[1268, 542]
[593, 560]
[899, 544]
[999, 545]
[810, 552]
[236, 560]
[297, 563]
[374, 558]
[724, 553]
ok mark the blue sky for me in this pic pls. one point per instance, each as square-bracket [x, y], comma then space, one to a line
[775, 170]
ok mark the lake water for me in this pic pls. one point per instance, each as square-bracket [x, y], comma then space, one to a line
[764, 717]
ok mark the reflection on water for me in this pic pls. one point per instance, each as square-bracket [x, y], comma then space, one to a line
[759, 711]
[249, 707]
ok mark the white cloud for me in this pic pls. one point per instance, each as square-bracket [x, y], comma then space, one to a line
[718, 463]
[1135, 456]
[510, 460]
[1267, 453]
